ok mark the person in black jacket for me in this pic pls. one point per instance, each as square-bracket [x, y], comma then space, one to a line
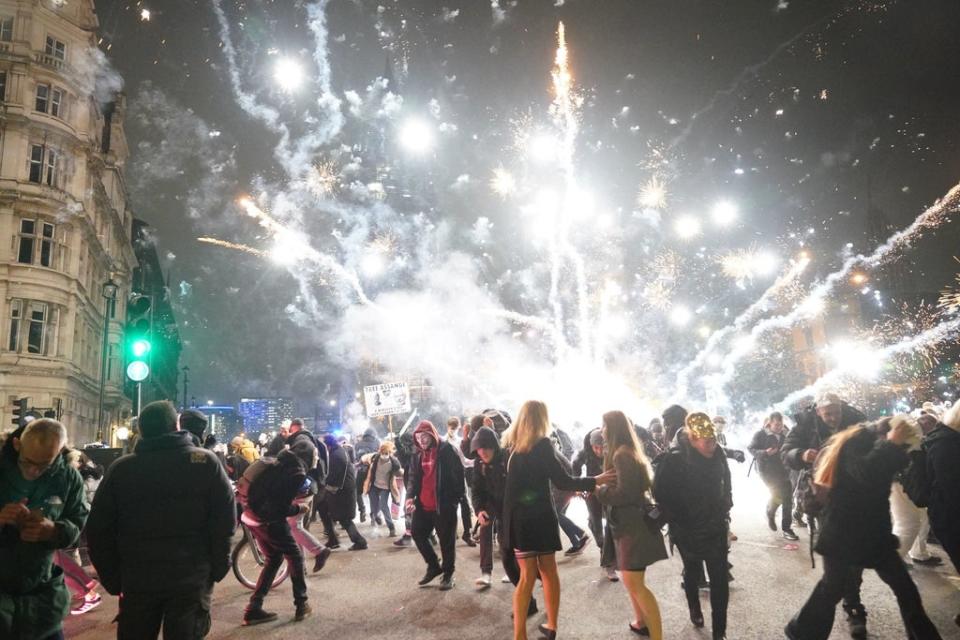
[530, 520]
[406, 451]
[591, 459]
[267, 491]
[942, 446]
[341, 495]
[160, 528]
[692, 486]
[765, 449]
[814, 426]
[369, 443]
[434, 491]
[858, 466]
[195, 423]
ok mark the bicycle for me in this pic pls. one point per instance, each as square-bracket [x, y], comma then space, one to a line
[247, 560]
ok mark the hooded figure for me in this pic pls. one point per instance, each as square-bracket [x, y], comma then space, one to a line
[436, 486]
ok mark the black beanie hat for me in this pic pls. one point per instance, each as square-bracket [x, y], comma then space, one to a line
[485, 438]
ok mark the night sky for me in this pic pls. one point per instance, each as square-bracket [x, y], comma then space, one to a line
[795, 111]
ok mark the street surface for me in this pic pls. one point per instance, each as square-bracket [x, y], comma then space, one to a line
[373, 594]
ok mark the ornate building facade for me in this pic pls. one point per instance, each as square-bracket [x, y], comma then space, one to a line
[64, 216]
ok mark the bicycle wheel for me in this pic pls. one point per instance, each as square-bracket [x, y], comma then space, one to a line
[247, 562]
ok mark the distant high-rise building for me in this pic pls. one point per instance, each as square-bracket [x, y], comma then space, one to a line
[266, 414]
[224, 422]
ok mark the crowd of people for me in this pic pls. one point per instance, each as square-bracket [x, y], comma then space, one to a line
[162, 522]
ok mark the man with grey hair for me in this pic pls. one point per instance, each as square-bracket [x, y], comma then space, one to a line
[42, 509]
[814, 426]
[160, 529]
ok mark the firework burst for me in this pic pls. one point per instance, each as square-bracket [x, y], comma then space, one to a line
[950, 297]
[503, 183]
[653, 195]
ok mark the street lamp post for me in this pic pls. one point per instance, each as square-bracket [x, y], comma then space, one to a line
[186, 379]
[109, 292]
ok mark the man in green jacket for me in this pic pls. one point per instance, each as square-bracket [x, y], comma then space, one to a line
[42, 509]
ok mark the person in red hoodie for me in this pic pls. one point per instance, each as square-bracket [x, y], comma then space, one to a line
[435, 488]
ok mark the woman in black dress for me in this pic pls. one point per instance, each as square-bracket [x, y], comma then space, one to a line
[530, 515]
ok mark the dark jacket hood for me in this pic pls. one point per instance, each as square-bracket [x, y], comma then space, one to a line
[485, 438]
[370, 434]
[172, 440]
[427, 427]
[940, 432]
[331, 441]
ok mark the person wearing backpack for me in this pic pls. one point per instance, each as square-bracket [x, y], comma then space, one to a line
[856, 468]
[814, 426]
[268, 492]
[942, 447]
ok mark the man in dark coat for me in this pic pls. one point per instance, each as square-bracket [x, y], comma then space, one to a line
[160, 528]
[434, 491]
[341, 495]
[42, 509]
[267, 492]
[942, 446]
[368, 443]
[765, 449]
[693, 487]
[814, 426]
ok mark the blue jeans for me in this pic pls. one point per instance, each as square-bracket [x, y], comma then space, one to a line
[380, 503]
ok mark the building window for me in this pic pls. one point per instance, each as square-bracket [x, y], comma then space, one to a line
[56, 103]
[16, 313]
[6, 29]
[32, 324]
[36, 245]
[44, 165]
[51, 177]
[36, 163]
[43, 98]
[56, 49]
[3, 86]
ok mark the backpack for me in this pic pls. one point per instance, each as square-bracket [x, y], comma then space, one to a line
[915, 479]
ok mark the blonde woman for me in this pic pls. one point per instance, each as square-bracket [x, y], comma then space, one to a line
[858, 466]
[638, 544]
[530, 515]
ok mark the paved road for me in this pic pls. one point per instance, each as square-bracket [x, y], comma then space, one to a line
[372, 594]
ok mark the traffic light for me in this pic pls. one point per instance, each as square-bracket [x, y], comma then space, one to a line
[20, 411]
[138, 336]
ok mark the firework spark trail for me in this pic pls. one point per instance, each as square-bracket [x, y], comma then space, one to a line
[751, 314]
[247, 101]
[294, 243]
[936, 215]
[532, 321]
[749, 72]
[564, 111]
[939, 333]
[217, 242]
[295, 157]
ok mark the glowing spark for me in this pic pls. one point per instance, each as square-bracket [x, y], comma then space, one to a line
[145, 15]
[288, 74]
[687, 227]
[680, 315]
[724, 213]
[653, 195]
[233, 245]
[950, 297]
[503, 183]
[416, 136]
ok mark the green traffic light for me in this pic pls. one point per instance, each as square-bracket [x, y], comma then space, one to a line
[140, 348]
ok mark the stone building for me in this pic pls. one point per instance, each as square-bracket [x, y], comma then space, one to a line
[65, 215]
